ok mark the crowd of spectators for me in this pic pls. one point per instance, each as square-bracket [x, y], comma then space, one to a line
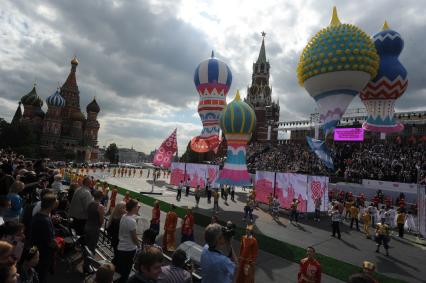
[38, 213]
[35, 207]
[386, 161]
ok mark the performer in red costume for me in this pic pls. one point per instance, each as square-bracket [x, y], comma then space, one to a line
[188, 226]
[310, 268]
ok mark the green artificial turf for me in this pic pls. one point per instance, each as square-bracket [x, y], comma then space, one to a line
[330, 266]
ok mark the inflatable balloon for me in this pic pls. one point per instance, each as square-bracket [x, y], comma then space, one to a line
[335, 66]
[237, 122]
[212, 79]
[380, 94]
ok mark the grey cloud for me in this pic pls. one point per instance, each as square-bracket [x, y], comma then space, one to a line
[128, 50]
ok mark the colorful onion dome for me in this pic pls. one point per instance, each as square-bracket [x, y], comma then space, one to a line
[93, 106]
[237, 117]
[338, 47]
[32, 98]
[391, 80]
[77, 116]
[212, 73]
[74, 61]
[56, 99]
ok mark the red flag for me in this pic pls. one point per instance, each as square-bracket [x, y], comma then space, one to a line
[163, 156]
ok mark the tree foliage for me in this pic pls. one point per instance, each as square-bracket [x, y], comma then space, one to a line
[19, 137]
[111, 153]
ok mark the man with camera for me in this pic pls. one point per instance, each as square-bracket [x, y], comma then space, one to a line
[215, 266]
[178, 271]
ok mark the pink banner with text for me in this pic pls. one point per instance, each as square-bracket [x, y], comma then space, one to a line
[264, 185]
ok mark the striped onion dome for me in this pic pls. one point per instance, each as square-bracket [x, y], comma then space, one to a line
[237, 117]
[56, 99]
[32, 98]
[211, 73]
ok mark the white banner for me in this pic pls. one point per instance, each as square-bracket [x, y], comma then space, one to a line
[264, 185]
[389, 186]
[317, 188]
[289, 186]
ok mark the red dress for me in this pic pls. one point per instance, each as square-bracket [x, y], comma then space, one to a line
[310, 271]
[169, 237]
[247, 260]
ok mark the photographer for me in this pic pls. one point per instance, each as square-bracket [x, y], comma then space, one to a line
[215, 266]
[178, 271]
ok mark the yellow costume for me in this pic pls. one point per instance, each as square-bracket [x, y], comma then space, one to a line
[366, 219]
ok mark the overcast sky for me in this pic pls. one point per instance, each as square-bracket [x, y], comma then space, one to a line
[138, 57]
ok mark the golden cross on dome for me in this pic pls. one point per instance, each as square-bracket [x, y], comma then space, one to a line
[263, 33]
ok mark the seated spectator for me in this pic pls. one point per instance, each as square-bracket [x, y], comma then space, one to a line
[43, 236]
[79, 204]
[216, 267]
[6, 253]
[148, 266]
[16, 202]
[95, 219]
[105, 273]
[176, 272]
[6, 181]
[8, 273]
[13, 233]
[148, 239]
[71, 190]
[27, 273]
[128, 241]
[57, 184]
[37, 206]
[113, 225]
[4, 207]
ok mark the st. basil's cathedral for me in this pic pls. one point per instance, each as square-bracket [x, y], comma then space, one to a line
[63, 129]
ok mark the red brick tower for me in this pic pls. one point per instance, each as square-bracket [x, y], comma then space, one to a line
[259, 97]
[71, 94]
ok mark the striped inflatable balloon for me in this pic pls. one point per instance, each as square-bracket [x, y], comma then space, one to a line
[237, 121]
[212, 79]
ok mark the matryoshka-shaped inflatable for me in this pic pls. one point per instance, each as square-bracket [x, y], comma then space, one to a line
[381, 92]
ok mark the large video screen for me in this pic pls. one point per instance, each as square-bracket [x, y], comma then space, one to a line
[348, 134]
